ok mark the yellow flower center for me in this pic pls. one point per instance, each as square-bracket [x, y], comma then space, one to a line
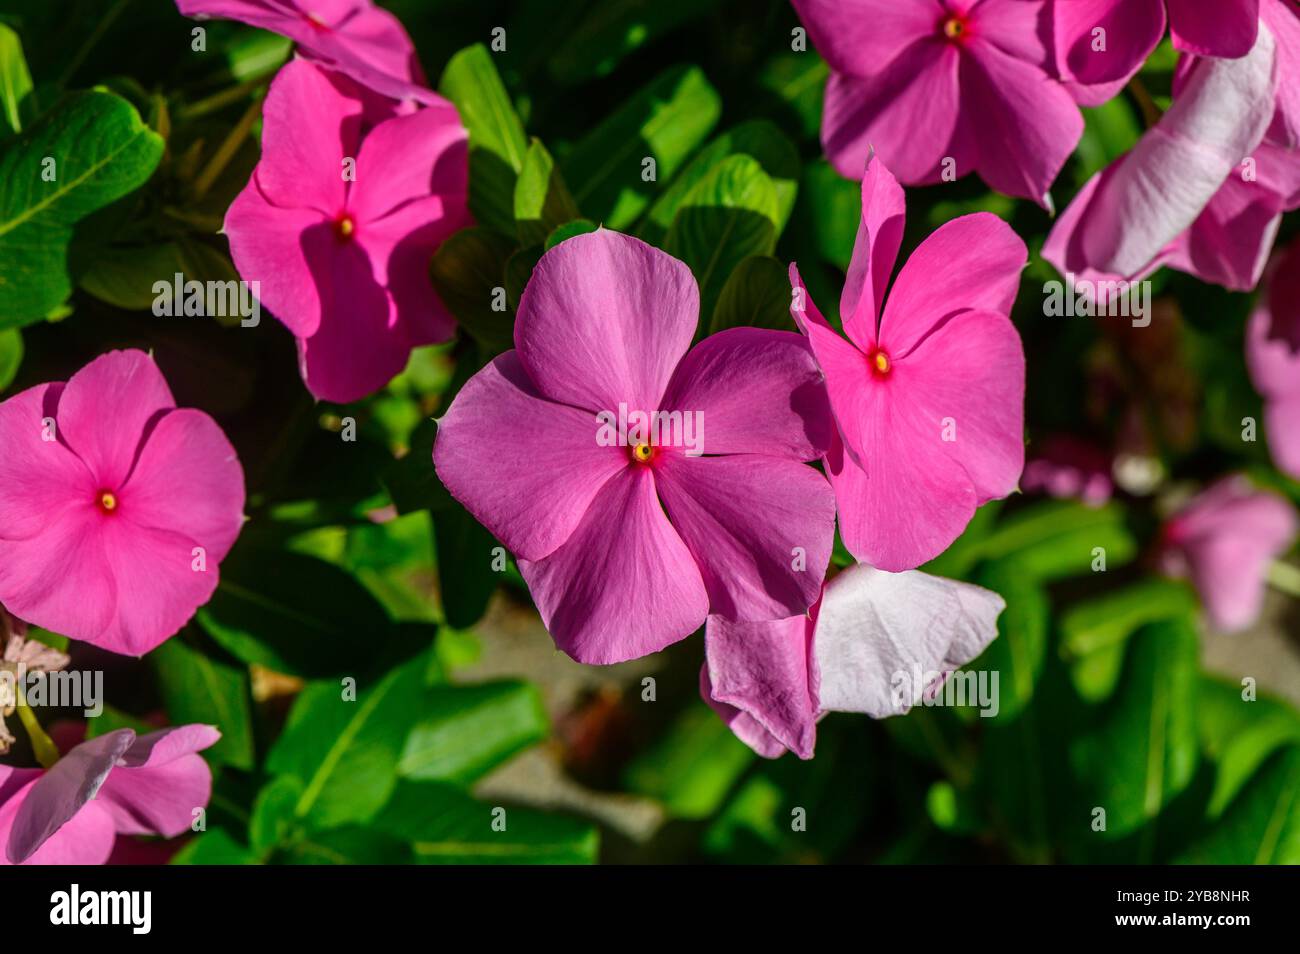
[346, 226]
[954, 27]
[108, 501]
[880, 362]
[642, 453]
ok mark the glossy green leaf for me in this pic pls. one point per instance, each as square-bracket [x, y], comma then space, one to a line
[542, 200]
[90, 151]
[11, 356]
[466, 731]
[198, 688]
[611, 29]
[756, 295]
[15, 81]
[1018, 653]
[693, 767]
[469, 273]
[1262, 825]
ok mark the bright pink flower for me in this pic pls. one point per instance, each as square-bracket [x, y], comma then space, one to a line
[1069, 468]
[1273, 356]
[1225, 540]
[343, 260]
[115, 505]
[875, 642]
[628, 542]
[1202, 191]
[928, 397]
[352, 36]
[114, 784]
[940, 87]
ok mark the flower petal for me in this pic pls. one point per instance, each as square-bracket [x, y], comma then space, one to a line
[881, 637]
[409, 158]
[105, 408]
[1227, 28]
[624, 585]
[85, 839]
[1132, 28]
[527, 468]
[762, 669]
[753, 391]
[970, 263]
[761, 530]
[860, 37]
[58, 795]
[745, 727]
[605, 319]
[161, 782]
[38, 478]
[875, 250]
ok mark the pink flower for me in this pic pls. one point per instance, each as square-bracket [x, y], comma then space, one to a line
[354, 37]
[1067, 467]
[114, 784]
[1202, 191]
[944, 87]
[627, 541]
[1225, 540]
[875, 642]
[115, 505]
[339, 223]
[929, 396]
[1273, 356]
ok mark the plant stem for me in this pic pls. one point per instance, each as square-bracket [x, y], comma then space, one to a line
[1285, 577]
[228, 149]
[219, 101]
[46, 752]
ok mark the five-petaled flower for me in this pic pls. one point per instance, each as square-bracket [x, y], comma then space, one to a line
[628, 548]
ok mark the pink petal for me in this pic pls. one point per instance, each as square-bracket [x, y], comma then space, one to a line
[605, 319]
[875, 250]
[964, 382]
[745, 727]
[1155, 192]
[1029, 124]
[1273, 333]
[624, 585]
[1018, 28]
[311, 123]
[762, 669]
[908, 114]
[400, 247]
[861, 37]
[1282, 425]
[1284, 23]
[275, 247]
[879, 637]
[161, 782]
[761, 530]
[187, 481]
[1229, 242]
[970, 263]
[526, 468]
[1226, 28]
[409, 158]
[1132, 28]
[85, 839]
[58, 795]
[105, 408]
[754, 391]
[359, 346]
[39, 479]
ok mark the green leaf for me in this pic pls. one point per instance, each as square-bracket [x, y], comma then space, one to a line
[798, 81]
[273, 821]
[466, 576]
[214, 847]
[1109, 131]
[344, 752]
[110, 720]
[445, 826]
[1018, 652]
[727, 217]
[15, 81]
[295, 614]
[1262, 825]
[466, 731]
[665, 122]
[350, 845]
[1060, 538]
[568, 231]
[1239, 734]
[830, 212]
[1143, 752]
[124, 276]
[693, 767]
[100, 151]
[759, 139]
[11, 356]
[496, 136]
[757, 295]
[196, 688]
[467, 271]
[542, 200]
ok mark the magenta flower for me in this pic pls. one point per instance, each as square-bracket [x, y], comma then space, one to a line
[114, 784]
[1224, 541]
[928, 396]
[629, 540]
[354, 37]
[1203, 191]
[1101, 44]
[875, 643]
[115, 505]
[1068, 468]
[1273, 356]
[339, 223]
[943, 88]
